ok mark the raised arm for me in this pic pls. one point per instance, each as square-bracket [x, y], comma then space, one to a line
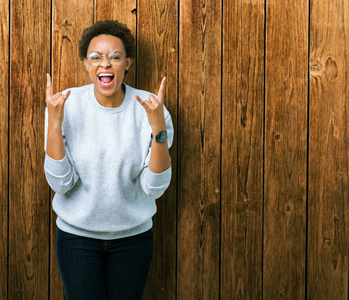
[55, 105]
[159, 158]
[59, 172]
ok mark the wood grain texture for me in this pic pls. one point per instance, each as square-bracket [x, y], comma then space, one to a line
[285, 150]
[246, 227]
[157, 57]
[29, 193]
[329, 149]
[4, 93]
[125, 11]
[199, 150]
[67, 71]
[242, 149]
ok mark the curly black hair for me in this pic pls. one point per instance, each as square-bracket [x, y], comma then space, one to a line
[108, 27]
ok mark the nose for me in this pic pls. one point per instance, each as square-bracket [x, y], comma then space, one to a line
[105, 62]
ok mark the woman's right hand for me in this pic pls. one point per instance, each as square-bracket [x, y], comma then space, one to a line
[55, 104]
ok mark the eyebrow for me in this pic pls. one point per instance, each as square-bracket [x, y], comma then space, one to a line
[114, 51]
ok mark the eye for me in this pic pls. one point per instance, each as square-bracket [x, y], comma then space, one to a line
[95, 57]
[115, 57]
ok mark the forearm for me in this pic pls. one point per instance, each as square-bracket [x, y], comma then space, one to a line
[160, 159]
[55, 146]
[59, 172]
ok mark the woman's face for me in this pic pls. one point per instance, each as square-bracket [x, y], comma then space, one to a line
[107, 78]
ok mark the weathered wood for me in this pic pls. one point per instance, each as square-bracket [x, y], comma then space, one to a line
[28, 193]
[67, 71]
[285, 149]
[4, 47]
[158, 57]
[242, 149]
[328, 151]
[125, 11]
[199, 150]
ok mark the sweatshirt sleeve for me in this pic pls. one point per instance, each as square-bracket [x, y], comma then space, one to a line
[60, 174]
[155, 184]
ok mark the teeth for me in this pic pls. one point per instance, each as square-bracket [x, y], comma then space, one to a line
[105, 74]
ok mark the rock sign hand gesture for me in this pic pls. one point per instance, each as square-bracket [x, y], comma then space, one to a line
[154, 108]
[55, 103]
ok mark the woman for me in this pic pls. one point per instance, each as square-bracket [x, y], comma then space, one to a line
[107, 159]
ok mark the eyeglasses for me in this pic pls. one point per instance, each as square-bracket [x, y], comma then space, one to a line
[114, 58]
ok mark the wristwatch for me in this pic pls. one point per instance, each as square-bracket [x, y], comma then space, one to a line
[161, 137]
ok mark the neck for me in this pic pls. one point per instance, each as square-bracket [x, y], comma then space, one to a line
[114, 100]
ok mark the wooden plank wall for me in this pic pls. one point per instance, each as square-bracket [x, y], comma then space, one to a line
[258, 207]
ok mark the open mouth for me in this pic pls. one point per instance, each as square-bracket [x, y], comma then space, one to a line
[105, 78]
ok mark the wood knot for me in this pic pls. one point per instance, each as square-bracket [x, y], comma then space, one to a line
[331, 69]
[316, 65]
[282, 293]
[288, 208]
[327, 244]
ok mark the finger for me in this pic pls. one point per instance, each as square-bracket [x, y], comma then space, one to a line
[140, 100]
[59, 98]
[60, 94]
[162, 90]
[153, 99]
[146, 104]
[66, 95]
[49, 92]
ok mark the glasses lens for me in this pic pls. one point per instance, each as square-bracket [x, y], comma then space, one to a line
[115, 58]
[95, 60]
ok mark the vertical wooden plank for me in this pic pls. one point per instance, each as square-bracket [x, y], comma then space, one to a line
[67, 71]
[242, 149]
[4, 46]
[157, 57]
[199, 149]
[28, 195]
[328, 151]
[125, 11]
[285, 149]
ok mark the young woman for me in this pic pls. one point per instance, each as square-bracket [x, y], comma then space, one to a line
[107, 159]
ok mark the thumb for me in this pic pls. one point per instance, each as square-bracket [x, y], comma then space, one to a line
[60, 102]
[65, 96]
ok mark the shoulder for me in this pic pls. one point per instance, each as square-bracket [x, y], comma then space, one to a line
[132, 92]
[78, 96]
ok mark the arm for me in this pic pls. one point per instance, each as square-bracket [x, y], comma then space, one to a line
[160, 158]
[58, 171]
[55, 107]
[156, 177]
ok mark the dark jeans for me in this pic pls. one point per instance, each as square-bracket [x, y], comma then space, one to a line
[94, 269]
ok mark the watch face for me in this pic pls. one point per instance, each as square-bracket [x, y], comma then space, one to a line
[161, 137]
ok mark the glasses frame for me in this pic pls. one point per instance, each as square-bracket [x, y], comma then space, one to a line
[106, 56]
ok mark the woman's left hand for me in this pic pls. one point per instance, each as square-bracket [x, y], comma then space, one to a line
[154, 108]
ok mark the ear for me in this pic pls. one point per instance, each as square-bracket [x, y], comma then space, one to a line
[129, 62]
[86, 64]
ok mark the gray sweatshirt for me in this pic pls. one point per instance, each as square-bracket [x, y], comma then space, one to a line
[104, 188]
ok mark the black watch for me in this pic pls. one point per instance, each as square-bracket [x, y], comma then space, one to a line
[161, 137]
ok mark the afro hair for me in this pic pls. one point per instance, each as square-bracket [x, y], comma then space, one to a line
[108, 27]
